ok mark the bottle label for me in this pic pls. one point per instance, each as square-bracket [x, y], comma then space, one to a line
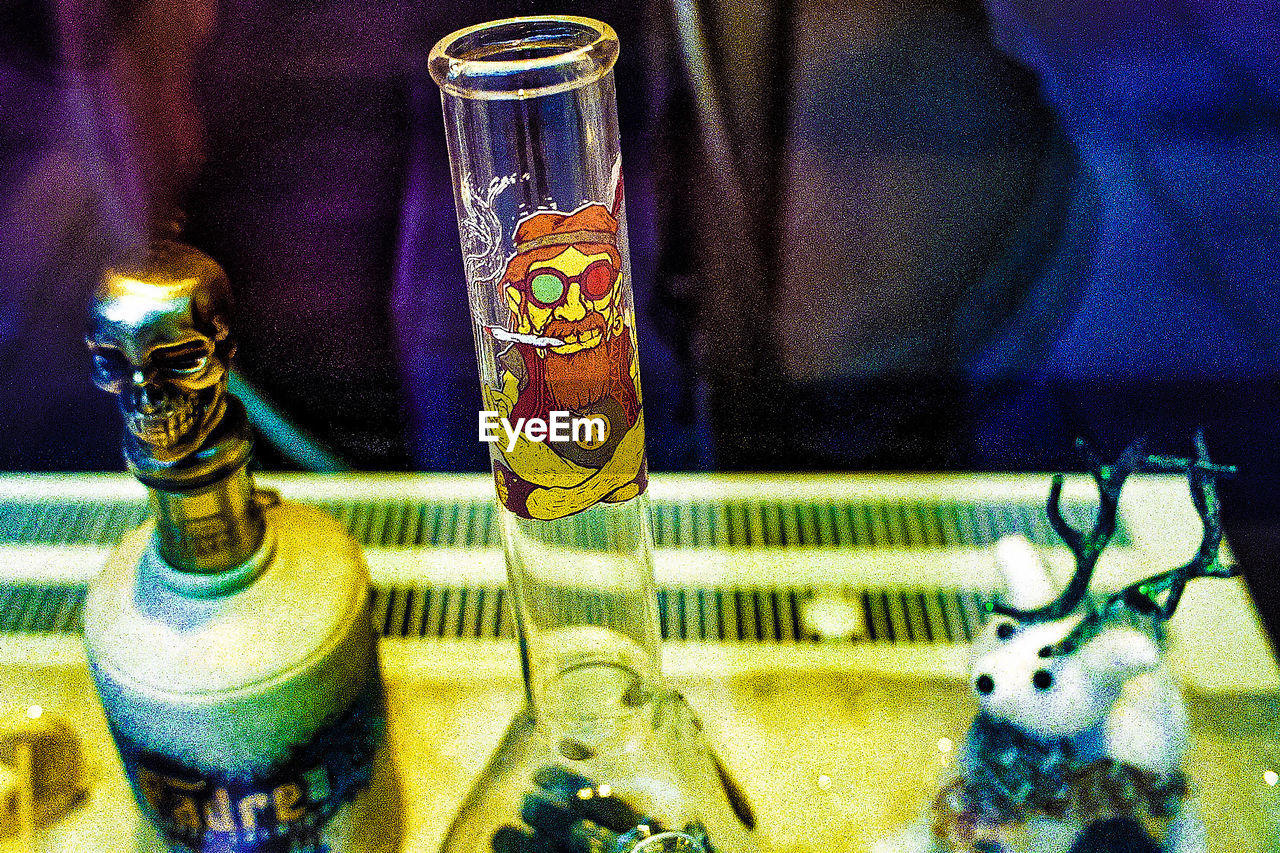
[281, 809]
[565, 400]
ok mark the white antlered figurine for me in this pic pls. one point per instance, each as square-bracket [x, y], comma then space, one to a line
[1079, 738]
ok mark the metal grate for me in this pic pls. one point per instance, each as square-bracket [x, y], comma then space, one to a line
[68, 522]
[676, 524]
[704, 614]
[763, 614]
[41, 608]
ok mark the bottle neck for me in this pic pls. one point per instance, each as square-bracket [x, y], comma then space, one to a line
[207, 517]
[212, 529]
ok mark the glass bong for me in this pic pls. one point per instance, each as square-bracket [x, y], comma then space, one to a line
[604, 758]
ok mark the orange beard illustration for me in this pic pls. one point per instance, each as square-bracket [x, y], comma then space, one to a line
[579, 379]
[565, 285]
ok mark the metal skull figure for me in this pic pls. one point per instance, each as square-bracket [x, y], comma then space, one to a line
[161, 343]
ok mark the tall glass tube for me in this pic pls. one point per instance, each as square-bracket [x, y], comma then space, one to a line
[532, 131]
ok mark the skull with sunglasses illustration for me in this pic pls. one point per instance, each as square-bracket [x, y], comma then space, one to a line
[564, 290]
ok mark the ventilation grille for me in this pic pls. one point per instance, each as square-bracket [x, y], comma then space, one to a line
[723, 614]
[760, 614]
[683, 524]
[41, 608]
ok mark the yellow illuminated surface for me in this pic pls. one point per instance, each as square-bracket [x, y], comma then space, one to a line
[830, 760]
[835, 744]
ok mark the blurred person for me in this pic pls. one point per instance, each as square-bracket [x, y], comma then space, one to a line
[1176, 114]
[1175, 108]
[99, 136]
[932, 234]
[923, 235]
[864, 197]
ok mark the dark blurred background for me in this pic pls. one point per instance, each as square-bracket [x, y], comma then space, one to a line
[865, 235]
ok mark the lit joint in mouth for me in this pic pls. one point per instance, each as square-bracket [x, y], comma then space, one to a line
[559, 425]
[502, 334]
[585, 340]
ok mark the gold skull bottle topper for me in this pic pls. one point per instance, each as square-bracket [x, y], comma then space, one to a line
[162, 344]
[229, 639]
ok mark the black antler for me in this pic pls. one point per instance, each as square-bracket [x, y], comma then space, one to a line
[1202, 476]
[1087, 547]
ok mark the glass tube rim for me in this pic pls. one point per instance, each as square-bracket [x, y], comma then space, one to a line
[500, 79]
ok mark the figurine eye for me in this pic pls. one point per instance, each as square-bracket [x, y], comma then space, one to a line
[1005, 630]
[110, 364]
[186, 364]
[182, 360]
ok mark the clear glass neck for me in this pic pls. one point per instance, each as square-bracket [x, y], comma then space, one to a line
[531, 123]
[586, 603]
[605, 759]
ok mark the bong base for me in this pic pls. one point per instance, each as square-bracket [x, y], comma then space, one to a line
[645, 782]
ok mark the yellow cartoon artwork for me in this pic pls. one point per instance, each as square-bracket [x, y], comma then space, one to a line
[571, 350]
